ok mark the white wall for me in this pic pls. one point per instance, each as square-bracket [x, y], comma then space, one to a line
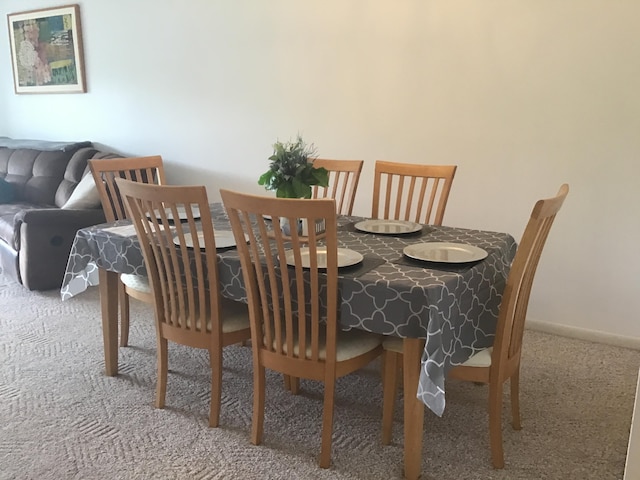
[523, 96]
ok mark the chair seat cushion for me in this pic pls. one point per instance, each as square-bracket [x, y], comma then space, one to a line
[137, 282]
[235, 315]
[349, 344]
[393, 344]
[480, 359]
[353, 343]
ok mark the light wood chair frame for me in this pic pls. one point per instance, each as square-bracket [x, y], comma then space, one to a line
[142, 169]
[344, 177]
[287, 335]
[187, 302]
[507, 346]
[411, 192]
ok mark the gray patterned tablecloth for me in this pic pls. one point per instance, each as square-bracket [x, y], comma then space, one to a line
[453, 307]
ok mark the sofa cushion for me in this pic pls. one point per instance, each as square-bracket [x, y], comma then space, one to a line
[35, 175]
[85, 195]
[7, 193]
[76, 171]
[46, 176]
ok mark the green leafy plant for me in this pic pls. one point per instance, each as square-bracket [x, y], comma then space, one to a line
[291, 172]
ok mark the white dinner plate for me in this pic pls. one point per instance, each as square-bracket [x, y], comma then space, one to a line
[224, 239]
[444, 252]
[182, 213]
[346, 257]
[388, 227]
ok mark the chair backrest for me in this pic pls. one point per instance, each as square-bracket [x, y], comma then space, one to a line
[344, 176]
[138, 169]
[413, 192]
[515, 299]
[288, 305]
[180, 257]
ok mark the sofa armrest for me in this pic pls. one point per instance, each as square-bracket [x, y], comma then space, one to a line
[46, 237]
[61, 218]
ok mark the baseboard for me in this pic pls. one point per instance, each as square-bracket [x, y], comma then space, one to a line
[584, 334]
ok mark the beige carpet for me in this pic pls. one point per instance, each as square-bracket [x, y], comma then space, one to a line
[62, 418]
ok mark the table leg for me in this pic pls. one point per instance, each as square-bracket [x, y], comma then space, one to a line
[413, 407]
[109, 303]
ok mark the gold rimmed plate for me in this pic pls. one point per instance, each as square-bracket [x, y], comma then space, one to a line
[182, 213]
[445, 252]
[224, 239]
[388, 227]
[346, 257]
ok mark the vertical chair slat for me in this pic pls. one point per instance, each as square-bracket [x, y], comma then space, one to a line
[421, 202]
[344, 176]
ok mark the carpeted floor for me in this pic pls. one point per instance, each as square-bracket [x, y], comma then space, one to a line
[62, 418]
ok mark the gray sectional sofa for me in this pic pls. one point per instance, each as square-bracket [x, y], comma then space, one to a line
[46, 199]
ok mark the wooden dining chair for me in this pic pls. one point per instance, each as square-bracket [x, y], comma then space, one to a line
[292, 290]
[183, 272]
[500, 362]
[140, 169]
[412, 192]
[344, 176]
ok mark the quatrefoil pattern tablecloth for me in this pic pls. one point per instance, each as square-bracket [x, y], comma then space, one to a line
[453, 307]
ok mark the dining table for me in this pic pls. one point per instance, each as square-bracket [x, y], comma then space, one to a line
[445, 311]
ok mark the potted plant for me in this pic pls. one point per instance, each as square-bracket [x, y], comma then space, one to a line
[291, 173]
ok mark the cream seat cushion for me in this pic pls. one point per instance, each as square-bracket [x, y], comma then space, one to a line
[480, 359]
[137, 282]
[349, 344]
[235, 316]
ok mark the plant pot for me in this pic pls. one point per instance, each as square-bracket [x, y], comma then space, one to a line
[302, 226]
[286, 226]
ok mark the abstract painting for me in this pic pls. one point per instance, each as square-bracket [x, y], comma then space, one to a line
[46, 50]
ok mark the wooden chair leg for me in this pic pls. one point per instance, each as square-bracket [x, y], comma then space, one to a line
[163, 364]
[123, 299]
[257, 423]
[495, 425]
[515, 400]
[215, 358]
[327, 421]
[295, 385]
[292, 384]
[389, 389]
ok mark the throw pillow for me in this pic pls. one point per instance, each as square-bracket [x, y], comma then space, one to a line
[85, 195]
[7, 192]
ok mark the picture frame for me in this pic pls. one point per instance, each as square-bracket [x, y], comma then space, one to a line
[46, 50]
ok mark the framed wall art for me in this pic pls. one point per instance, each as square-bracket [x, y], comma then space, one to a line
[46, 50]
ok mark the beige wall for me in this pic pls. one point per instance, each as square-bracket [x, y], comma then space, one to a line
[523, 96]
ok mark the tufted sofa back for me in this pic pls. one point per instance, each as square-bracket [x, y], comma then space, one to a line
[43, 177]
